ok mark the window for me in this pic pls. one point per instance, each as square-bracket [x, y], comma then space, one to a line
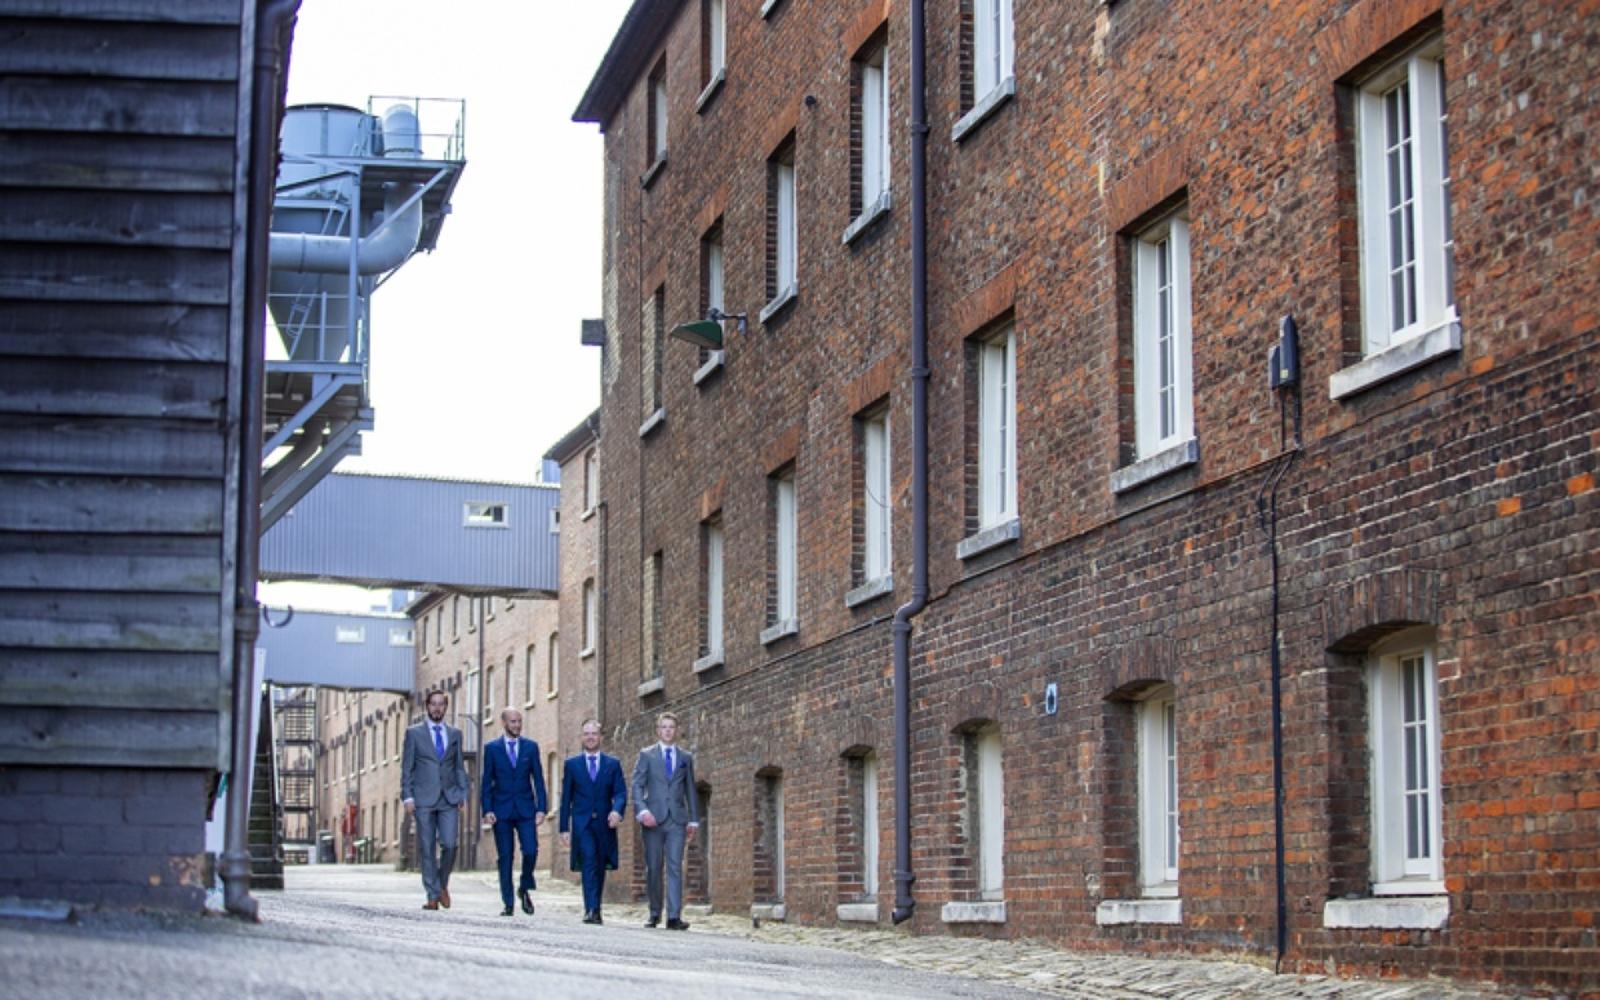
[869, 826]
[349, 635]
[997, 429]
[1158, 793]
[1403, 183]
[438, 630]
[591, 617]
[551, 784]
[711, 291]
[650, 618]
[474, 692]
[455, 617]
[1404, 732]
[591, 479]
[474, 606]
[650, 351]
[400, 635]
[553, 666]
[875, 495]
[488, 694]
[657, 124]
[1162, 353]
[986, 810]
[769, 875]
[483, 514]
[870, 141]
[528, 673]
[711, 643]
[510, 663]
[991, 46]
[713, 46]
[782, 229]
[424, 637]
[782, 546]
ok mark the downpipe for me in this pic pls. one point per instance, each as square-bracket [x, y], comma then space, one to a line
[275, 21]
[904, 903]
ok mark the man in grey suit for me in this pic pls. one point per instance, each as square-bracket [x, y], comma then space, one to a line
[666, 805]
[433, 783]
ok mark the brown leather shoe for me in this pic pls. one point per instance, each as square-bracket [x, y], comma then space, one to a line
[444, 897]
[432, 904]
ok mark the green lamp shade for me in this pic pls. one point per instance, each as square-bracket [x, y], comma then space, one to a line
[704, 333]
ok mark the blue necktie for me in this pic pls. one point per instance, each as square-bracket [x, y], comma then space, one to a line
[511, 749]
[669, 762]
[594, 768]
[438, 741]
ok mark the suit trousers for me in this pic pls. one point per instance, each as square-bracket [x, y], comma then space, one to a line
[438, 832]
[589, 839]
[506, 831]
[663, 848]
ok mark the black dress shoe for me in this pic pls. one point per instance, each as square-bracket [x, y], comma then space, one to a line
[653, 921]
[527, 902]
[591, 917]
[677, 925]
[508, 911]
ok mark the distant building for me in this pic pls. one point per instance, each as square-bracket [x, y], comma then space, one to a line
[1137, 526]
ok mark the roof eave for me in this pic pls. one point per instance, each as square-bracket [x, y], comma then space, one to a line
[635, 41]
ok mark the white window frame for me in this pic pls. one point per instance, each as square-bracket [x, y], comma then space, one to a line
[786, 548]
[1413, 141]
[1407, 851]
[877, 555]
[869, 826]
[402, 635]
[1159, 834]
[714, 588]
[488, 693]
[993, 47]
[991, 815]
[349, 635]
[1163, 345]
[997, 429]
[788, 226]
[591, 479]
[553, 666]
[716, 38]
[875, 131]
[716, 272]
[530, 674]
[591, 617]
[658, 113]
[485, 514]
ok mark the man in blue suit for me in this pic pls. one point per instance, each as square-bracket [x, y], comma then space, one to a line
[593, 796]
[514, 804]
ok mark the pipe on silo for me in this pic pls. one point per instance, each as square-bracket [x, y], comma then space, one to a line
[386, 247]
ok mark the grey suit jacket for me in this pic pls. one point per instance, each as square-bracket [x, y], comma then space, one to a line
[424, 778]
[669, 802]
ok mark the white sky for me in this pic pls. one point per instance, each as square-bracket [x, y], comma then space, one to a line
[476, 365]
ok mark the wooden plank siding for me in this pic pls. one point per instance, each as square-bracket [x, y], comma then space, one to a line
[122, 126]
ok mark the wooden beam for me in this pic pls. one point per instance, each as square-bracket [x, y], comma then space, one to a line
[119, 49]
[112, 388]
[123, 218]
[113, 274]
[100, 330]
[161, 11]
[139, 107]
[96, 505]
[99, 737]
[173, 564]
[108, 446]
[111, 679]
[49, 619]
[117, 162]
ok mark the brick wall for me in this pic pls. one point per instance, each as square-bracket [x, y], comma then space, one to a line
[112, 837]
[1458, 496]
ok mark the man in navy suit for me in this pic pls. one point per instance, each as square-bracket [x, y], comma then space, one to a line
[593, 796]
[514, 804]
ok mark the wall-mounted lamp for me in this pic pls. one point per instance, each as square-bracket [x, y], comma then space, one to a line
[707, 333]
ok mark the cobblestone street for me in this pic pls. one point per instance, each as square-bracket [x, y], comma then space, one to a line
[349, 931]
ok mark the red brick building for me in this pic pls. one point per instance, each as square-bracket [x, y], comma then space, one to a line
[1134, 538]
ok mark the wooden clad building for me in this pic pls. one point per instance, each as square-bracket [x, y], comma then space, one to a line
[125, 167]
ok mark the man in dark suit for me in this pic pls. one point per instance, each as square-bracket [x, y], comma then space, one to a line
[666, 805]
[514, 804]
[433, 784]
[593, 796]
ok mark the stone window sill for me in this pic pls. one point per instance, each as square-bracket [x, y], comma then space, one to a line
[992, 101]
[858, 913]
[1396, 360]
[872, 213]
[974, 913]
[585, 652]
[768, 911]
[1388, 912]
[709, 661]
[1179, 456]
[789, 626]
[653, 172]
[712, 366]
[989, 538]
[587, 514]
[652, 686]
[653, 421]
[712, 89]
[777, 305]
[766, 7]
[1114, 912]
[869, 590]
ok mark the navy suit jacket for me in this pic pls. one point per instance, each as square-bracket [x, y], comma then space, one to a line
[584, 801]
[513, 793]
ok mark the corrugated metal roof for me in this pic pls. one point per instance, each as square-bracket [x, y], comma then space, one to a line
[413, 533]
[374, 652]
